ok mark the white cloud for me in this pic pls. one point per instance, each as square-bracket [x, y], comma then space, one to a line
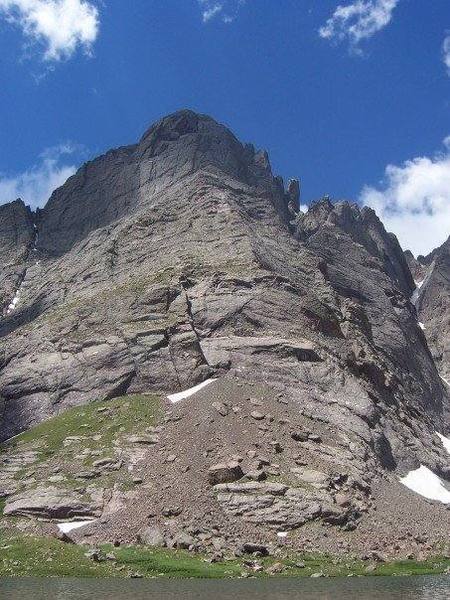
[414, 201]
[36, 185]
[358, 21]
[210, 10]
[446, 54]
[60, 25]
[225, 10]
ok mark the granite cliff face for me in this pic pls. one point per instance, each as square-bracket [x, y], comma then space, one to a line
[16, 242]
[432, 301]
[182, 258]
[104, 302]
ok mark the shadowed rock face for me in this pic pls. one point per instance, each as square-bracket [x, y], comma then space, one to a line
[16, 240]
[417, 269]
[180, 258]
[433, 304]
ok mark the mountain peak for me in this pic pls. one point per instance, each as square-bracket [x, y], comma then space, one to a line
[197, 141]
[181, 122]
[123, 181]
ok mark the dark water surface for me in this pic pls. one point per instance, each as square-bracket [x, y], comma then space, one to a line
[364, 588]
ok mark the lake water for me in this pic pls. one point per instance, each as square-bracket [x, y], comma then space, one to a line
[364, 588]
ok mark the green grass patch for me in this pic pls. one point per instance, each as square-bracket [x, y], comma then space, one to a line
[98, 424]
[48, 557]
[45, 557]
[151, 562]
[432, 566]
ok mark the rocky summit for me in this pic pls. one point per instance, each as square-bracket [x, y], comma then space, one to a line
[324, 350]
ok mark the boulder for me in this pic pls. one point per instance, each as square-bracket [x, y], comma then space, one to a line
[221, 408]
[225, 472]
[311, 476]
[258, 416]
[300, 436]
[254, 548]
[152, 536]
[258, 475]
[87, 474]
[51, 503]
[172, 511]
[104, 462]
[275, 568]
[143, 439]
[182, 540]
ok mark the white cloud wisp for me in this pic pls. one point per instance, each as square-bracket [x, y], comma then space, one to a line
[413, 201]
[60, 25]
[446, 54]
[225, 10]
[358, 21]
[36, 185]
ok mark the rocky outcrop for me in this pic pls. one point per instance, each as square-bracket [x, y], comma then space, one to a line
[433, 304]
[369, 274]
[418, 270]
[124, 181]
[278, 506]
[16, 242]
[363, 228]
[51, 503]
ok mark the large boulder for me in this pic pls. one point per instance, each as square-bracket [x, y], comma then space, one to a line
[152, 536]
[225, 472]
[51, 503]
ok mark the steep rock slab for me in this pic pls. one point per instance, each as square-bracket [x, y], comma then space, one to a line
[370, 276]
[16, 241]
[433, 305]
[123, 267]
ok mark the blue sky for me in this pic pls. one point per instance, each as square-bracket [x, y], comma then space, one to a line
[335, 91]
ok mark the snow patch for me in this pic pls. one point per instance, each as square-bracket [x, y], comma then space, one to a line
[190, 392]
[36, 238]
[14, 302]
[445, 441]
[421, 284]
[282, 534]
[415, 296]
[416, 292]
[427, 484]
[445, 381]
[421, 325]
[71, 525]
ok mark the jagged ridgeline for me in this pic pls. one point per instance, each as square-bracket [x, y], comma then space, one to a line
[182, 259]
